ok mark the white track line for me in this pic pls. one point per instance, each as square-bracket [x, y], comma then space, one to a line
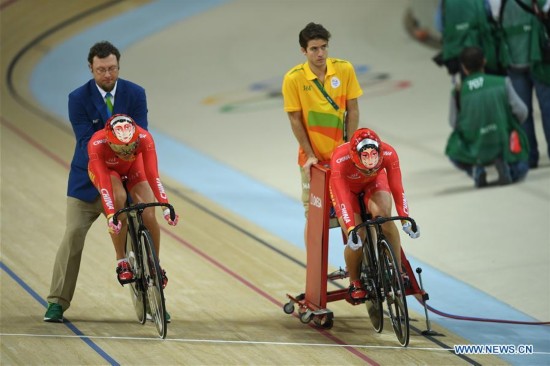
[218, 341]
[221, 341]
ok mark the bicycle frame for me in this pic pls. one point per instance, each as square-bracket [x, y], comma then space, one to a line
[148, 276]
[382, 278]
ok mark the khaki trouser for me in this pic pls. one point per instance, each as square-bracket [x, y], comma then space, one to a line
[80, 217]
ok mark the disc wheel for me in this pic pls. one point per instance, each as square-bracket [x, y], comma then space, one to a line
[370, 279]
[136, 288]
[394, 293]
[375, 309]
[152, 277]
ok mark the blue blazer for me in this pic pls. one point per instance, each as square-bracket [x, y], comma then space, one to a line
[88, 114]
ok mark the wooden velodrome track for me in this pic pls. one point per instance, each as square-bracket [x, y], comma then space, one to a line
[228, 277]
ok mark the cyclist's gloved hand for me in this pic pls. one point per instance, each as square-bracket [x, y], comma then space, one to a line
[407, 227]
[352, 245]
[113, 229]
[166, 213]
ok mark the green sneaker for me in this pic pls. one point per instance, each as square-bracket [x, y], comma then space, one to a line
[54, 314]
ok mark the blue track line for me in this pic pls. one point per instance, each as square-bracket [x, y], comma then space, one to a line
[66, 322]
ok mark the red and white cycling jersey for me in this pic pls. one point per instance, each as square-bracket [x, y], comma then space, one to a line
[347, 182]
[142, 166]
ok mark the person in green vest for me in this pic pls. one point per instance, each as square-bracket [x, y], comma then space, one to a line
[483, 115]
[465, 23]
[525, 52]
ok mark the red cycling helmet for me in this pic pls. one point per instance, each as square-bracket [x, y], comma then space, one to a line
[363, 139]
[122, 134]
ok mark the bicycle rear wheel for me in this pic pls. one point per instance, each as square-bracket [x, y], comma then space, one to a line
[371, 281]
[394, 292]
[153, 283]
[369, 276]
[134, 258]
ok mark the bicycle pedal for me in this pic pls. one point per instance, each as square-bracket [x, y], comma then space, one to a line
[122, 283]
[337, 275]
[353, 301]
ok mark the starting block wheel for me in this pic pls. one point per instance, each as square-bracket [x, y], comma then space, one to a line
[312, 304]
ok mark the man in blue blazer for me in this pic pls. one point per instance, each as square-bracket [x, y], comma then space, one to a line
[90, 106]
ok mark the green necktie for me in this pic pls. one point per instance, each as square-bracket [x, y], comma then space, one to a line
[108, 97]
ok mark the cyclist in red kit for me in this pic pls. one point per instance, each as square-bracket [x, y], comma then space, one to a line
[123, 150]
[367, 165]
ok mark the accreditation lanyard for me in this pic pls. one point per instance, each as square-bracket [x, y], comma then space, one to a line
[316, 81]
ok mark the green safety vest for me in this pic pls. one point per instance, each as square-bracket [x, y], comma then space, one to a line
[522, 38]
[484, 123]
[466, 23]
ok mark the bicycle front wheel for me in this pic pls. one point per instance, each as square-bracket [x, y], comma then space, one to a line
[134, 259]
[394, 292]
[153, 283]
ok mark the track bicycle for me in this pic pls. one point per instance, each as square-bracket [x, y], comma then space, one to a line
[381, 277]
[146, 290]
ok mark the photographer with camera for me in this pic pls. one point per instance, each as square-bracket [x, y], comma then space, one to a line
[466, 23]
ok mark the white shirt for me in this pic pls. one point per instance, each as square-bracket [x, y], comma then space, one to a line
[104, 93]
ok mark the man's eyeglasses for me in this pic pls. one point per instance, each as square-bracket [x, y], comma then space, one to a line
[103, 71]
